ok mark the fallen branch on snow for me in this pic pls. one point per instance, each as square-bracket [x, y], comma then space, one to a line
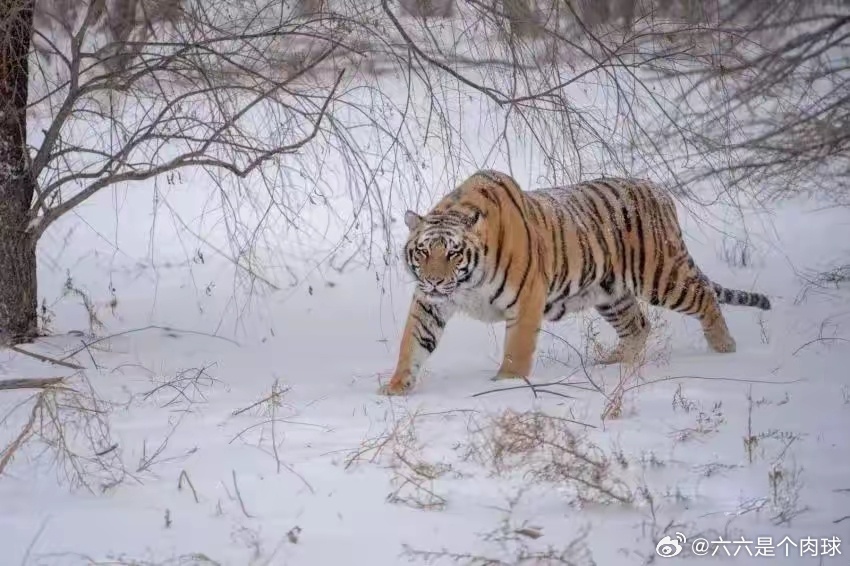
[30, 383]
[43, 358]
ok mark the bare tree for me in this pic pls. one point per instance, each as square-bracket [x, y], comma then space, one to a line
[127, 90]
[308, 7]
[746, 93]
[765, 107]
[748, 96]
[18, 298]
[428, 8]
[521, 16]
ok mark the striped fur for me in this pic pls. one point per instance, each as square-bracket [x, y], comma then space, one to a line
[497, 253]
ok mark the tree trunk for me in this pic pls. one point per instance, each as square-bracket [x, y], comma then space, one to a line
[428, 8]
[307, 8]
[595, 13]
[522, 20]
[18, 287]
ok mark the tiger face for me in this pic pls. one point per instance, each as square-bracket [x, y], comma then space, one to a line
[442, 252]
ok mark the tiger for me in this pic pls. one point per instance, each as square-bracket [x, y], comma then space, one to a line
[501, 254]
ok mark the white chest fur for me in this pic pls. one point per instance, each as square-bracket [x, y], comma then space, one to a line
[475, 303]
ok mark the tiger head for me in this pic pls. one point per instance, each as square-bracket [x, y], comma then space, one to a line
[443, 250]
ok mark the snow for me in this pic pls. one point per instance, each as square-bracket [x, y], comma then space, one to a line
[248, 429]
[328, 347]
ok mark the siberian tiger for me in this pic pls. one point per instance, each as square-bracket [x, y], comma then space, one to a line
[498, 253]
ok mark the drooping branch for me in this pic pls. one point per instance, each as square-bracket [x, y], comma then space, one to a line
[198, 83]
[203, 89]
[198, 158]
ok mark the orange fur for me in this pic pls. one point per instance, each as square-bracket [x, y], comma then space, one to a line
[498, 253]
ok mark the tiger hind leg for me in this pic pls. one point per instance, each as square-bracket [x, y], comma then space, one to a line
[714, 324]
[696, 297]
[624, 315]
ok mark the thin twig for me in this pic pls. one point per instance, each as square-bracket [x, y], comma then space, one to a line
[183, 474]
[705, 378]
[821, 339]
[297, 475]
[143, 329]
[107, 450]
[239, 496]
[43, 358]
[581, 361]
[34, 540]
[26, 432]
[534, 389]
[265, 399]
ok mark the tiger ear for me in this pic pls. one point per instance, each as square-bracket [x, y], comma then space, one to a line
[412, 219]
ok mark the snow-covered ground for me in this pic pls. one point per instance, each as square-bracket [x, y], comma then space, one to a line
[326, 471]
[240, 429]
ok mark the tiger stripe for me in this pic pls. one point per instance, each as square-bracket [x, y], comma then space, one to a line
[501, 254]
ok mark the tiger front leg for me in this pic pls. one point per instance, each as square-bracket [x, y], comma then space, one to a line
[422, 331]
[521, 338]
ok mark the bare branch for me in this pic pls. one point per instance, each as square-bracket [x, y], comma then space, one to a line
[30, 383]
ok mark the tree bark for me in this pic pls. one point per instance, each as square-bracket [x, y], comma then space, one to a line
[307, 8]
[522, 18]
[428, 8]
[18, 286]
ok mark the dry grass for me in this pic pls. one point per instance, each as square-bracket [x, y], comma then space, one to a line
[546, 448]
[656, 352]
[67, 429]
[70, 288]
[66, 426]
[754, 443]
[708, 420]
[518, 544]
[822, 281]
[267, 434]
[181, 392]
[784, 478]
[786, 482]
[413, 477]
[737, 252]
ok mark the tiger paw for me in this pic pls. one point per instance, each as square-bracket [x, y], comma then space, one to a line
[615, 356]
[724, 345]
[629, 354]
[396, 386]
